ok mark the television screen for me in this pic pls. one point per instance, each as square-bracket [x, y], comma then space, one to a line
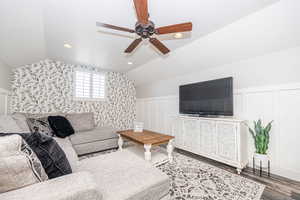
[207, 98]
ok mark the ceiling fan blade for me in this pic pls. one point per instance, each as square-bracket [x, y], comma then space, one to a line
[160, 46]
[133, 45]
[175, 28]
[114, 27]
[141, 7]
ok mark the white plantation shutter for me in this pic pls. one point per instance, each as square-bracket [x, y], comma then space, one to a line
[89, 85]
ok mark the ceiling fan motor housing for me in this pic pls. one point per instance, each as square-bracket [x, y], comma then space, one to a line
[145, 30]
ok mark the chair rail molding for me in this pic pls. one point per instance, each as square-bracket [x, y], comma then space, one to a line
[276, 102]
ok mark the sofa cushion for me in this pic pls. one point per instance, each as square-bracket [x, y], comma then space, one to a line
[21, 122]
[82, 121]
[41, 125]
[76, 186]
[99, 133]
[61, 126]
[96, 146]
[124, 175]
[19, 166]
[8, 125]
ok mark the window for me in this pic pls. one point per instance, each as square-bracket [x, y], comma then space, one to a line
[89, 85]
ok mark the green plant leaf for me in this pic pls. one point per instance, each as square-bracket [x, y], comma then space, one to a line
[261, 136]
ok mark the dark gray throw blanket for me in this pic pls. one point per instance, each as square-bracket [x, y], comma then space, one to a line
[52, 157]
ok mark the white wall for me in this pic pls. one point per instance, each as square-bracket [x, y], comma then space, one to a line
[262, 53]
[277, 102]
[5, 75]
[276, 68]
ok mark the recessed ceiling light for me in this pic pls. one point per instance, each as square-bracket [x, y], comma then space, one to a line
[68, 46]
[130, 63]
[178, 35]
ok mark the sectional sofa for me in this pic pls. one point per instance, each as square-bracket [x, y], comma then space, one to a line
[116, 176]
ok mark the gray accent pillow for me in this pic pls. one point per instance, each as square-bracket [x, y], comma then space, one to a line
[41, 125]
[21, 122]
[81, 121]
[19, 165]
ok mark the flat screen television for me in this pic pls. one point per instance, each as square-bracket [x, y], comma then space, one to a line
[209, 98]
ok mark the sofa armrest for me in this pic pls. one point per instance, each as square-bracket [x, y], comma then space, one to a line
[76, 186]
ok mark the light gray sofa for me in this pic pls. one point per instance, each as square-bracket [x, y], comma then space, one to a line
[88, 138]
[121, 175]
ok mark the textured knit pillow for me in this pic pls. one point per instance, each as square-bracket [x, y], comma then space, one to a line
[21, 121]
[19, 165]
[41, 125]
[61, 126]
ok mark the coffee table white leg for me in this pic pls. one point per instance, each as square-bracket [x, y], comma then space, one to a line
[170, 150]
[120, 143]
[147, 152]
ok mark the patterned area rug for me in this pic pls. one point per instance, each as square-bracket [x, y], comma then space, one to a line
[192, 179]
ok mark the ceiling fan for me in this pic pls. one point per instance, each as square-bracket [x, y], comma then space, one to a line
[146, 28]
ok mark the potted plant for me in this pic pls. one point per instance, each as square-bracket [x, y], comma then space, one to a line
[261, 136]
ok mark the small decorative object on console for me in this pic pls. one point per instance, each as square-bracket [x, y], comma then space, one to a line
[138, 126]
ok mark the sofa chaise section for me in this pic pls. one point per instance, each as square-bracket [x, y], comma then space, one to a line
[98, 139]
[123, 175]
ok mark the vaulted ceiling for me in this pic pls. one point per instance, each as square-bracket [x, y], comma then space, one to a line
[32, 30]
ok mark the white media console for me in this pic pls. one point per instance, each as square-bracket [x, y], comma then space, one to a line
[220, 139]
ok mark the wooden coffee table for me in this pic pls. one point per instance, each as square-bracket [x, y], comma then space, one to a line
[148, 139]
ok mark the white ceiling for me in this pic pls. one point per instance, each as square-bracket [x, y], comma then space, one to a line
[32, 30]
[270, 30]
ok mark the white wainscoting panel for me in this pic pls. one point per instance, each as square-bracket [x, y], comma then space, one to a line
[3, 101]
[280, 103]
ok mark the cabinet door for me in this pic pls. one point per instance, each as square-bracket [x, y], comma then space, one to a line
[191, 135]
[207, 137]
[177, 132]
[226, 140]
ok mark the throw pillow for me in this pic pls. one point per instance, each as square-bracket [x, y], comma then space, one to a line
[21, 122]
[41, 125]
[8, 125]
[52, 157]
[19, 165]
[82, 121]
[9, 145]
[61, 126]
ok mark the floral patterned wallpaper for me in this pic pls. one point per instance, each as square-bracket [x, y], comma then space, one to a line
[47, 86]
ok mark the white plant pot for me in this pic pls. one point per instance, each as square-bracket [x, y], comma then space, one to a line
[261, 158]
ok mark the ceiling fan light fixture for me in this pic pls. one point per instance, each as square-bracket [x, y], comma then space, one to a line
[68, 46]
[178, 35]
[130, 63]
[146, 29]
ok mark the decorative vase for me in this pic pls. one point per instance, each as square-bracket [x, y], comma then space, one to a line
[261, 160]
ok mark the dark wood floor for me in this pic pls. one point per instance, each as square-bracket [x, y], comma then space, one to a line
[277, 188]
